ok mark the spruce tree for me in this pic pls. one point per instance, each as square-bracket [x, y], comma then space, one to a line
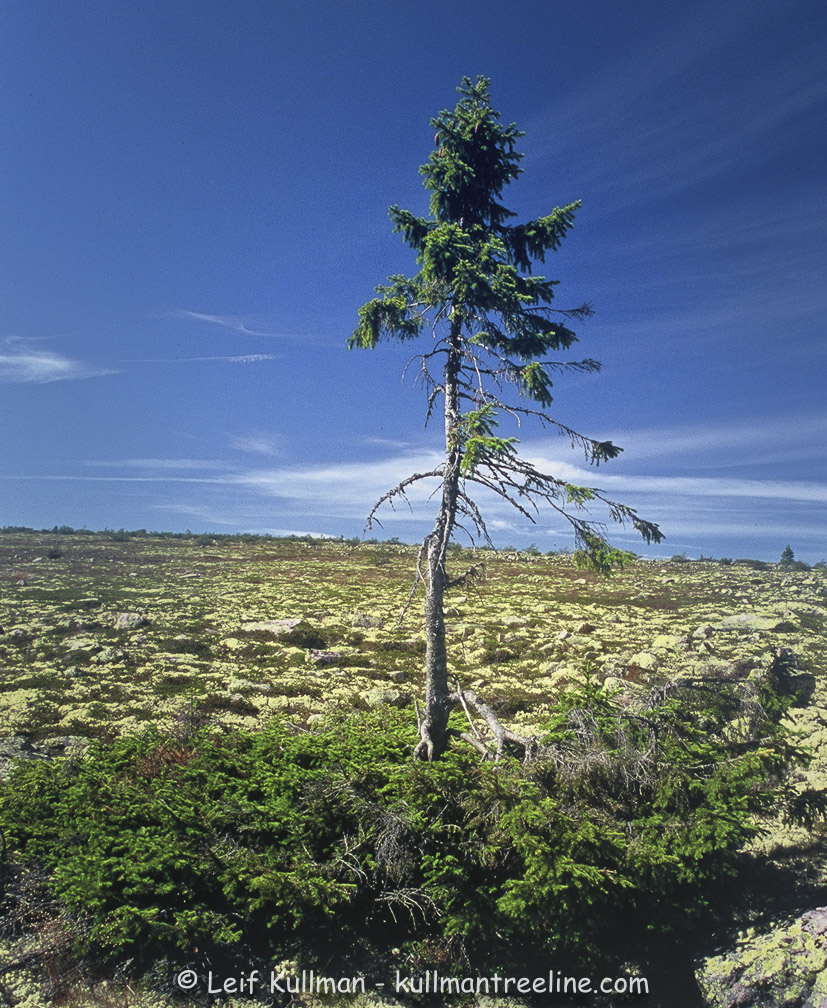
[493, 326]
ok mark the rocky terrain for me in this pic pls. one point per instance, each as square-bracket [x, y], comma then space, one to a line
[103, 635]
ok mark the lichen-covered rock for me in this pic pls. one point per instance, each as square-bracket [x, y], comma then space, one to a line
[130, 621]
[276, 627]
[702, 632]
[109, 655]
[751, 622]
[644, 660]
[367, 621]
[379, 695]
[244, 686]
[88, 644]
[785, 967]
[324, 657]
[15, 748]
[668, 642]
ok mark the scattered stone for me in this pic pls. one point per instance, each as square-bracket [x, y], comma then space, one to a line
[109, 655]
[398, 676]
[324, 657]
[668, 642]
[367, 622]
[704, 630]
[785, 967]
[514, 621]
[381, 695]
[644, 660]
[585, 628]
[83, 644]
[753, 622]
[130, 621]
[15, 748]
[84, 603]
[244, 686]
[276, 627]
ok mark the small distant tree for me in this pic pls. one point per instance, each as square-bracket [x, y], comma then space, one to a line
[493, 326]
[787, 557]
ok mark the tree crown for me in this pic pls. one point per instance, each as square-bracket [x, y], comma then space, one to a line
[492, 320]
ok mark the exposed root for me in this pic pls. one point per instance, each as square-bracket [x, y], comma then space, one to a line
[502, 735]
[491, 746]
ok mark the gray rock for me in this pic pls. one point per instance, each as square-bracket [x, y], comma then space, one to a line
[109, 655]
[130, 621]
[64, 745]
[644, 660]
[87, 644]
[19, 634]
[701, 632]
[15, 748]
[367, 622]
[324, 657]
[785, 967]
[381, 695]
[399, 676]
[84, 603]
[245, 686]
[276, 627]
[750, 622]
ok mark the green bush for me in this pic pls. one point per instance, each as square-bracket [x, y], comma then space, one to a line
[226, 844]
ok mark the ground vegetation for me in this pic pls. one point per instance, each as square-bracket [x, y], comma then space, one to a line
[204, 679]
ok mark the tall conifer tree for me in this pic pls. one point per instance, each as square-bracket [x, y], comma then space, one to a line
[493, 326]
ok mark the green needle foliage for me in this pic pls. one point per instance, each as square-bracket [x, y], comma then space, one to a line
[494, 326]
[236, 847]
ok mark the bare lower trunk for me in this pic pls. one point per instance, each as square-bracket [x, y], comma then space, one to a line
[439, 698]
[433, 728]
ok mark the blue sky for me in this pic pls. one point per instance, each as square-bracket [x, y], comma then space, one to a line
[194, 200]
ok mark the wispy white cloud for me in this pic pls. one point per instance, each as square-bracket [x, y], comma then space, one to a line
[162, 464]
[235, 323]
[235, 359]
[392, 443]
[759, 113]
[235, 520]
[21, 363]
[742, 442]
[710, 513]
[348, 488]
[257, 444]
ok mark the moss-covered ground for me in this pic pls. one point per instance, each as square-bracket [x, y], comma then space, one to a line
[101, 635]
[249, 627]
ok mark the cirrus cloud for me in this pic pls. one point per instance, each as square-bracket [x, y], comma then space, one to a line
[19, 363]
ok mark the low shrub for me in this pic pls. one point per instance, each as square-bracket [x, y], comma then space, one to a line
[220, 845]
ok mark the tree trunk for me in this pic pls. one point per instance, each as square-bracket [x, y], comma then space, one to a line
[433, 728]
